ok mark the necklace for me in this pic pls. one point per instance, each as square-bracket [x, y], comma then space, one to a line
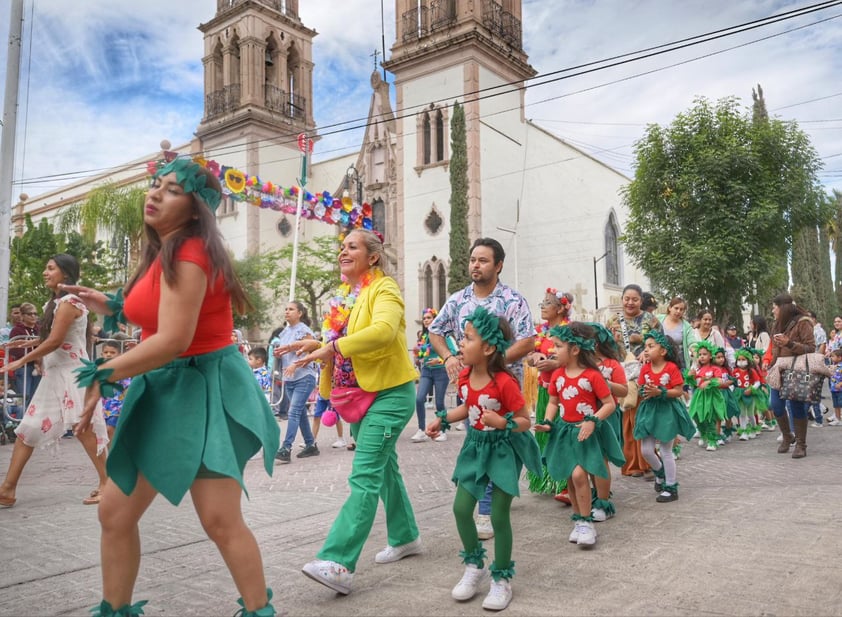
[340, 305]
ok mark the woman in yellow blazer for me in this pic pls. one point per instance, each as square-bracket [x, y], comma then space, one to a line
[365, 345]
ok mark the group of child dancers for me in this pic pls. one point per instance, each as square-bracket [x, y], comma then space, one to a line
[579, 423]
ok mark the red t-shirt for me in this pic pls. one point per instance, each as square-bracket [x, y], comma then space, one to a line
[743, 377]
[613, 371]
[706, 373]
[216, 320]
[579, 396]
[669, 377]
[501, 395]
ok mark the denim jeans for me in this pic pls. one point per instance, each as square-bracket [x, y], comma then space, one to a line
[298, 392]
[431, 378]
[26, 385]
[780, 406]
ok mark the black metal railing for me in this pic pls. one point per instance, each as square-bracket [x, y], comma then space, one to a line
[442, 14]
[501, 23]
[222, 101]
[290, 105]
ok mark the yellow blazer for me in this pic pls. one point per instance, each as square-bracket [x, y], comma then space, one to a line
[376, 340]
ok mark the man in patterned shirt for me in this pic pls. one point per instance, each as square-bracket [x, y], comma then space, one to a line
[485, 290]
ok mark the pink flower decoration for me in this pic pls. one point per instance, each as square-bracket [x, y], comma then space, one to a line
[66, 346]
[30, 410]
[46, 425]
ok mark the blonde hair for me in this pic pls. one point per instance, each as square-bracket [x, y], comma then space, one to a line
[374, 246]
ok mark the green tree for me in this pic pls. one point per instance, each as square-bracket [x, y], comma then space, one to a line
[835, 232]
[316, 277]
[116, 211]
[458, 277]
[29, 254]
[256, 273]
[715, 199]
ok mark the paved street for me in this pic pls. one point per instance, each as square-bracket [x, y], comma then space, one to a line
[753, 533]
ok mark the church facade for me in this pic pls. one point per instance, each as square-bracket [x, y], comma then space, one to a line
[555, 209]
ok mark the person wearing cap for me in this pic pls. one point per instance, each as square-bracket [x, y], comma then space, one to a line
[732, 338]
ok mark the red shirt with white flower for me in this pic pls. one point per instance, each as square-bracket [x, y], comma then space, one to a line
[708, 372]
[613, 371]
[669, 377]
[500, 395]
[578, 396]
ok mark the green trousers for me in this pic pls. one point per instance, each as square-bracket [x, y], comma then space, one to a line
[374, 476]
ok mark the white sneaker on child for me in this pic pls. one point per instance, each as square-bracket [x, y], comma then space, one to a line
[441, 437]
[599, 515]
[485, 531]
[498, 596]
[339, 443]
[419, 436]
[574, 535]
[702, 443]
[587, 535]
[466, 588]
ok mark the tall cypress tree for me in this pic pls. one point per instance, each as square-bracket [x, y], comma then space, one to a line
[458, 277]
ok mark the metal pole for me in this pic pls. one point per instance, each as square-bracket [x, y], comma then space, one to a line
[298, 208]
[7, 150]
[595, 288]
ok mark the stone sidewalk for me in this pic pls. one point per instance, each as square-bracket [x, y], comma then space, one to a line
[753, 533]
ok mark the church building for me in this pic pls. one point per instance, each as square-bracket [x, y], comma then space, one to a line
[556, 210]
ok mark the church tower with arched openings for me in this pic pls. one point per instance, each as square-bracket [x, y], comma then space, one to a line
[470, 51]
[258, 66]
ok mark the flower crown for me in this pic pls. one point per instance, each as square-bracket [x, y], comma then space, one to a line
[430, 311]
[662, 340]
[562, 297]
[189, 175]
[488, 328]
[565, 333]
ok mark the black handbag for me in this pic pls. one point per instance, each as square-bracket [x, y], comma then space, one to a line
[798, 385]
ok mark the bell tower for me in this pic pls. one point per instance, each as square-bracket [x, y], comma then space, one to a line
[258, 64]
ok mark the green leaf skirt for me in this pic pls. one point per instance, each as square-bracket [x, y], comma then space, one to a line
[495, 456]
[707, 405]
[565, 452]
[663, 419]
[200, 414]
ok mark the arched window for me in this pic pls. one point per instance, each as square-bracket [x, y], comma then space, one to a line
[441, 275]
[432, 136]
[428, 286]
[612, 251]
[439, 136]
[425, 135]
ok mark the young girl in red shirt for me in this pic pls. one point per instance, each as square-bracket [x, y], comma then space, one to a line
[497, 446]
[662, 414]
[581, 442]
[707, 407]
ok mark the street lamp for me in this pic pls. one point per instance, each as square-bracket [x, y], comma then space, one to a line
[596, 260]
[353, 174]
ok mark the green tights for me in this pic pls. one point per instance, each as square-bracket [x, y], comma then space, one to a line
[501, 504]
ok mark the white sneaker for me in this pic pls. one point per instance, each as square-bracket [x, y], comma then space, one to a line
[498, 596]
[574, 535]
[744, 437]
[330, 574]
[459, 426]
[702, 443]
[711, 447]
[816, 425]
[720, 442]
[441, 437]
[484, 529]
[339, 443]
[419, 436]
[833, 422]
[466, 588]
[396, 553]
[599, 515]
[780, 438]
[587, 534]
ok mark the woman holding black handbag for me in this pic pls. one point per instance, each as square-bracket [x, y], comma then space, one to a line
[792, 336]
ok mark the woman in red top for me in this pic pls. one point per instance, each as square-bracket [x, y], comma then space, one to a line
[194, 414]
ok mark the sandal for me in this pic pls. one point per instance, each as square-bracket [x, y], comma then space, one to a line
[93, 498]
[352, 446]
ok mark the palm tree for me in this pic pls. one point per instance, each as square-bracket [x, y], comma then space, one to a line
[116, 212]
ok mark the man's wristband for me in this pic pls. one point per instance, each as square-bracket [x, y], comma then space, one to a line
[449, 356]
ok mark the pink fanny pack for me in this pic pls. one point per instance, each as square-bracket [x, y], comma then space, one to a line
[351, 403]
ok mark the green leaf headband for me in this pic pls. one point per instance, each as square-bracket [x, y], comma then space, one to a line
[603, 335]
[564, 333]
[744, 353]
[488, 328]
[662, 340]
[188, 174]
[706, 345]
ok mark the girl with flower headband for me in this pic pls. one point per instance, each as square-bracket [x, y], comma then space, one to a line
[609, 361]
[732, 409]
[707, 406]
[581, 442]
[496, 448]
[555, 311]
[749, 393]
[194, 414]
[662, 414]
[433, 376]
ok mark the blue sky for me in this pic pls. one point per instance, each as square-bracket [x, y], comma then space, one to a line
[104, 81]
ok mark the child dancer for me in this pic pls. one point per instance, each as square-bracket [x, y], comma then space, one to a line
[707, 407]
[764, 411]
[581, 442]
[496, 447]
[836, 384]
[608, 359]
[662, 414]
[111, 405]
[732, 409]
[747, 382]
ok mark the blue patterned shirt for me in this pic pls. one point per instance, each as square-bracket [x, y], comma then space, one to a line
[503, 301]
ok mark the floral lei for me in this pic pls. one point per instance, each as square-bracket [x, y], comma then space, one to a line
[543, 332]
[424, 346]
[340, 305]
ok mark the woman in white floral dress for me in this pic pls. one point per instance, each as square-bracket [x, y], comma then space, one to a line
[58, 402]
